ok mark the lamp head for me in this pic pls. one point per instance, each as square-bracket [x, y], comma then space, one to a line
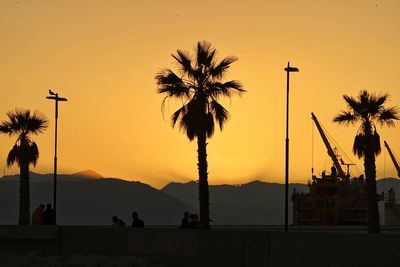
[291, 69]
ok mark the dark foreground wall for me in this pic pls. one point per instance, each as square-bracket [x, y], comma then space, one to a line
[217, 247]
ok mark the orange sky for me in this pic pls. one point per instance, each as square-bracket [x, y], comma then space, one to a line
[103, 55]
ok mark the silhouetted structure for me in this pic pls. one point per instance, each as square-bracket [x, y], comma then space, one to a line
[394, 158]
[136, 221]
[367, 109]
[288, 70]
[38, 215]
[199, 83]
[56, 98]
[23, 123]
[333, 199]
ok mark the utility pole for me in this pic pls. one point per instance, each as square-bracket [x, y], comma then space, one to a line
[56, 98]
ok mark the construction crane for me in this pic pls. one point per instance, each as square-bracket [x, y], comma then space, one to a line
[330, 151]
[395, 163]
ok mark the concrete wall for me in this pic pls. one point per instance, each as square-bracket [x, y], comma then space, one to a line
[217, 247]
[392, 214]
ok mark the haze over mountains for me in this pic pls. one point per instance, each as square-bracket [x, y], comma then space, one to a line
[92, 200]
[88, 198]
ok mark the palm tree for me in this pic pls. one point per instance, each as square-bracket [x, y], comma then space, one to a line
[23, 123]
[198, 83]
[368, 109]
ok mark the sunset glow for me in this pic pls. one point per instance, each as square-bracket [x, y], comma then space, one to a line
[103, 56]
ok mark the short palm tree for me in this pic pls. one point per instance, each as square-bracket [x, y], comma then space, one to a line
[368, 109]
[23, 123]
[198, 83]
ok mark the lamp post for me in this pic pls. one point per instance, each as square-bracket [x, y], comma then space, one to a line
[288, 70]
[56, 98]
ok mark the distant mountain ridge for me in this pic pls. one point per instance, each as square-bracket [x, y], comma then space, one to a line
[254, 203]
[89, 174]
[85, 198]
[36, 177]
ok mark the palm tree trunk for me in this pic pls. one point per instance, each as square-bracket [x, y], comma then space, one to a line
[370, 173]
[24, 195]
[203, 180]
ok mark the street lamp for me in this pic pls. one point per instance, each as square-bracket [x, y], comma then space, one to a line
[56, 98]
[288, 70]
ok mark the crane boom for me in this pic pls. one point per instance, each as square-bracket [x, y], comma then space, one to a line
[396, 164]
[331, 153]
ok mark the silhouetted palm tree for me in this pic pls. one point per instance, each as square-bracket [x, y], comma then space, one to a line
[368, 109]
[198, 83]
[23, 123]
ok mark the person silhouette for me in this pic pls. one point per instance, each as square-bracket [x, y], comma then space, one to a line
[136, 222]
[121, 223]
[49, 215]
[193, 221]
[37, 215]
[185, 220]
[115, 221]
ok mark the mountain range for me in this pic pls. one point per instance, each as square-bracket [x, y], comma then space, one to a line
[86, 198]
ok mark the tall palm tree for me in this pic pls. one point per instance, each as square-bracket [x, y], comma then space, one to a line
[368, 109]
[198, 83]
[23, 123]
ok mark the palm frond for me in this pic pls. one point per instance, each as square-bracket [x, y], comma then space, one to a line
[387, 116]
[220, 69]
[36, 123]
[192, 119]
[24, 122]
[345, 117]
[188, 125]
[171, 84]
[217, 89]
[32, 153]
[13, 156]
[179, 113]
[352, 103]
[379, 99]
[359, 145]
[374, 103]
[377, 143]
[5, 128]
[220, 113]
[185, 62]
[197, 83]
[209, 124]
[204, 54]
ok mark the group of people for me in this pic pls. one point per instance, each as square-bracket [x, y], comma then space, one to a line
[136, 221]
[189, 221]
[42, 216]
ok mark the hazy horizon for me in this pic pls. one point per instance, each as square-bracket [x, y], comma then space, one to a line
[161, 185]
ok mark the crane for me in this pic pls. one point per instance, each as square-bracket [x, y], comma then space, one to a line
[395, 163]
[330, 151]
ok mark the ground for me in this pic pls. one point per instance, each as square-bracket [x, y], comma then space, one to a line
[32, 259]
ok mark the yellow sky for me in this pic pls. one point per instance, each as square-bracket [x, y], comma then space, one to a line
[103, 55]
